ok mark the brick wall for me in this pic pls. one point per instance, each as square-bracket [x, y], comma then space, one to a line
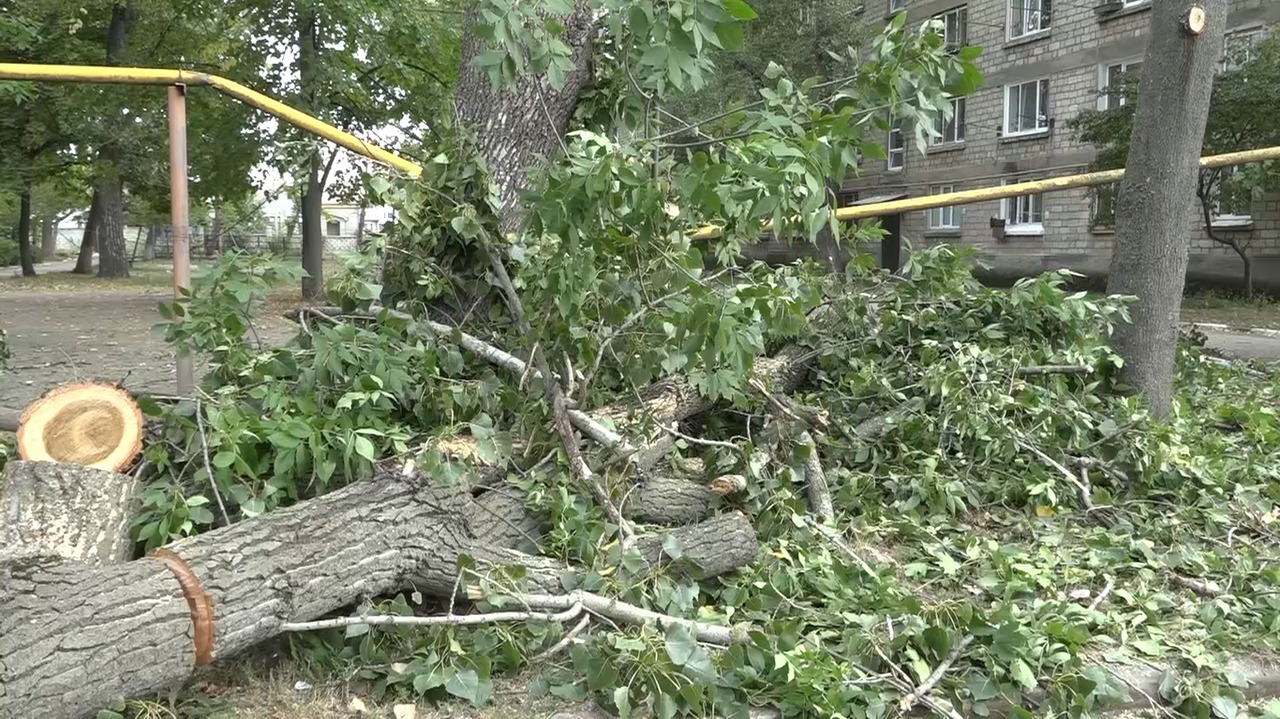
[1071, 55]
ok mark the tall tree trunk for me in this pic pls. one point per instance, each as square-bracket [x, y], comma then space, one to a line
[89, 242]
[517, 126]
[149, 247]
[360, 226]
[25, 255]
[113, 259]
[1151, 247]
[48, 238]
[213, 240]
[313, 193]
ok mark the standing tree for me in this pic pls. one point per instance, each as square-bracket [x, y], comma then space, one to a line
[1240, 118]
[1151, 249]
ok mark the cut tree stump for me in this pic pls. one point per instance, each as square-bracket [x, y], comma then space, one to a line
[77, 637]
[67, 511]
[95, 425]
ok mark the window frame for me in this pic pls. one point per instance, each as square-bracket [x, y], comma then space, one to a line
[1254, 34]
[1102, 195]
[959, 115]
[1104, 80]
[897, 6]
[900, 152]
[1042, 26]
[962, 12]
[1230, 220]
[1042, 103]
[934, 222]
[1009, 208]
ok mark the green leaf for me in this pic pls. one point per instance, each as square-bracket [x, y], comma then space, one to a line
[465, 684]
[364, 447]
[1022, 674]
[1225, 707]
[740, 9]
[982, 688]
[680, 644]
[356, 630]
[622, 700]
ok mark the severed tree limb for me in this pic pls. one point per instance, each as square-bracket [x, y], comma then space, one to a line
[1034, 370]
[448, 620]
[819, 491]
[624, 613]
[565, 641]
[9, 419]
[910, 700]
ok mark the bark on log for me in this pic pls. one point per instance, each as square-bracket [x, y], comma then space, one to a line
[669, 501]
[9, 419]
[77, 637]
[67, 511]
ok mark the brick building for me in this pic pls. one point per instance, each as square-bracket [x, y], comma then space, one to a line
[1043, 62]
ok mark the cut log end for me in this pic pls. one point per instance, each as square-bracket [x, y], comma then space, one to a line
[93, 425]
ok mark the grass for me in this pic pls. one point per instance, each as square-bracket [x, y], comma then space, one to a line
[144, 275]
[1231, 310]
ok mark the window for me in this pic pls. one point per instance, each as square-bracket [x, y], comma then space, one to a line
[1026, 107]
[1112, 77]
[897, 5]
[897, 149]
[944, 218]
[1239, 47]
[1027, 17]
[950, 130]
[333, 228]
[955, 27]
[1231, 205]
[1102, 213]
[1024, 214]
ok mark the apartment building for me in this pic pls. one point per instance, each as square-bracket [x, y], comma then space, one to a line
[1043, 62]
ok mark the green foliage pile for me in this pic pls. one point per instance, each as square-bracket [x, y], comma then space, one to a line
[1030, 524]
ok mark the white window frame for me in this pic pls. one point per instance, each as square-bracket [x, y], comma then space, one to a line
[1231, 219]
[1042, 23]
[955, 134]
[1252, 34]
[1104, 80]
[1095, 205]
[897, 6]
[899, 152]
[962, 27]
[1013, 207]
[944, 218]
[1134, 3]
[1042, 114]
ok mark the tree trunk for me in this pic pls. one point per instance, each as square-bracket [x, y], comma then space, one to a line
[113, 259]
[67, 511]
[48, 238]
[113, 256]
[360, 226]
[128, 629]
[313, 193]
[518, 126]
[25, 254]
[1151, 248]
[84, 262]
[149, 246]
[213, 240]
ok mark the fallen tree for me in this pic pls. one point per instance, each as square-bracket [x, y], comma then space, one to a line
[136, 627]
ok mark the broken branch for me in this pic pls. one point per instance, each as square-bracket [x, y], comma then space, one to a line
[450, 620]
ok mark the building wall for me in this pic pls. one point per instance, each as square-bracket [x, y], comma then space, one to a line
[1070, 54]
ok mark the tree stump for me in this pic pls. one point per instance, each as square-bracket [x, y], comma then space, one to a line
[67, 511]
[95, 425]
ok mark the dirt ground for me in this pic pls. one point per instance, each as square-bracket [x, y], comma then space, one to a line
[67, 328]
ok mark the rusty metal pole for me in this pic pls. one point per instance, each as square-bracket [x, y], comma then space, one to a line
[179, 218]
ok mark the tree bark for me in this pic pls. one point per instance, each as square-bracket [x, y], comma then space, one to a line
[48, 238]
[113, 260]
[213, 240]
[25, 254]
[84, 262]
[669, 501]
[149, 246]
[360, 226]
[67, 511]
[128, 629]
[1151, 248]
[313, 193]
[519, 126]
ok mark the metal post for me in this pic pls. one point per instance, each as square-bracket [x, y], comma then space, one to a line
[179, 216]
[891, 243]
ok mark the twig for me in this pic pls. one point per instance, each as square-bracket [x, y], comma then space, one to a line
[208, 466]
[819, 490]
[1102, 596]
[453, 620]
[699, 440]
[830, 534]
[1032, 370]
[932, 680]
[1200, 587]
[564, 642]
[808, 415]
[624, 613]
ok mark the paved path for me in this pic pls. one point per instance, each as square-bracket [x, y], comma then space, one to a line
[1244, 345]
